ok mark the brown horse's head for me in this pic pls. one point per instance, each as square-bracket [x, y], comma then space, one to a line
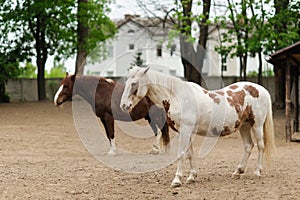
[65, 90]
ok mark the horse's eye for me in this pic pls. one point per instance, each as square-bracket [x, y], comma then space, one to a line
[133, 84]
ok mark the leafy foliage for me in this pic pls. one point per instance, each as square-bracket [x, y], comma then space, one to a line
[249, 28]
[8, 69]
[288, 21]
[28, 71]
[58, 71]
[138, 61]
[42, 28]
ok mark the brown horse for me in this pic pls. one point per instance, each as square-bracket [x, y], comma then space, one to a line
[104, 96]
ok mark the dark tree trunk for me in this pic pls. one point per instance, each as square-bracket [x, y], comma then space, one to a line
[192, 59]
[82, 34]
[259, 78]
[3, 96]
[279, 86]
[41, 53]
[278, 70]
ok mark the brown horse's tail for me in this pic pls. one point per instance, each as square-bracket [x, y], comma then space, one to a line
[269, 136]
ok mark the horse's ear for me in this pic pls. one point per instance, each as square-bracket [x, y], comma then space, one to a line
[67, 74]
[146, 70]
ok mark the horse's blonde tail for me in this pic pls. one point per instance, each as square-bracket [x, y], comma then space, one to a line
[269, 135]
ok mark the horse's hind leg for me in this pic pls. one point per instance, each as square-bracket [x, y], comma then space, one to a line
[258, 134]
[248, 146]
[193, 173]
[108, 123]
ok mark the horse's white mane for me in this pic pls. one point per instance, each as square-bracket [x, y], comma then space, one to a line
[164, 79]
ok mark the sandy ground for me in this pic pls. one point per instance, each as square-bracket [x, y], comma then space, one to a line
[42, 157]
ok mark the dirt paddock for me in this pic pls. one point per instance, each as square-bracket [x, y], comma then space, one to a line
[42, 157]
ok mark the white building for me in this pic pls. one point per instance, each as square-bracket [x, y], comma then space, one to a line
[151, 37]
[146, 35]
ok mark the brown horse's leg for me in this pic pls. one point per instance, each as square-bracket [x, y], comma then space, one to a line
[152, 123]
[108, 123]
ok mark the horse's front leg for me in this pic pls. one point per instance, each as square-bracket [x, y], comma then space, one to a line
[108, 123]
[156, 145]
[183, 148]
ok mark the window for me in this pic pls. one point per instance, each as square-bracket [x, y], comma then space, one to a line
[173, 48]
[110, 51]
[159, 51]
[131, 31]
[110, 73]
[172, 72]
[96, 73]
[131, 46]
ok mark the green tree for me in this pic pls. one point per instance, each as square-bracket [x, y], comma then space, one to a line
[181, 14]
[43, 28]
[138, 61]
[93, 27]
[58, 71]
[234, 40]
[191, 58]
[28, 71]
[282, 30]
[251, 27]
[8, 69]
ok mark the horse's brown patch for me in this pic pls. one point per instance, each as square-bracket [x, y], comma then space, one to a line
[233, 87]
[214, 97]
[248, 116]
[217, 100]
[225, 131]
[220, 93]
[236, 98]
[229, 93]
[237, 124]
[252, 90]
[170, 122]
[205, 91]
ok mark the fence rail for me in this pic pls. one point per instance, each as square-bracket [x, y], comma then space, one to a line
[26, 89]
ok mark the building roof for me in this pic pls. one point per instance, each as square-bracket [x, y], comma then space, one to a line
[292, 51]
[145, 21]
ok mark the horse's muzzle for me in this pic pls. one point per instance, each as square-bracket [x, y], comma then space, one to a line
[125, 107]
[58, 103]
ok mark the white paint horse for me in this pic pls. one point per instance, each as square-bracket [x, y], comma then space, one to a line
[245, 107]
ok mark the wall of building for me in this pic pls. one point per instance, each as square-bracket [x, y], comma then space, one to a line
[26, 89]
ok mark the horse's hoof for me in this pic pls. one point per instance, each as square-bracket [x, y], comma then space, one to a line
[175, 184]
[236, 175]
[111, 153]
[154, 152]
[191, 179]
[257, 173]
